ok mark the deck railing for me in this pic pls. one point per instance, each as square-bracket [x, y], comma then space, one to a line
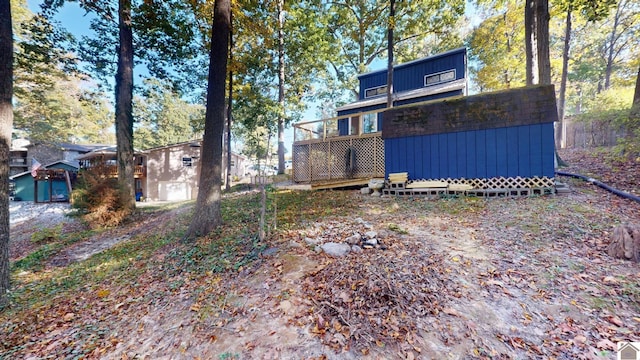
[338, 148]
[139, 171]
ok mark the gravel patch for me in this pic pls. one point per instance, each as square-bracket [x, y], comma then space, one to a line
[23, 211]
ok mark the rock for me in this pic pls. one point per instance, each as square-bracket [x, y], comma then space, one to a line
[317, 249]
[382, 234]
[365, 191]
[353, 239]
[270, 251]
[336, 249]
[294, 244]
[371, 234]
[356, 249]
[372, 242]
[311, 241]
[625, 243]
[286, 307]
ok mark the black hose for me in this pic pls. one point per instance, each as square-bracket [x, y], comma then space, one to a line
[602, 185]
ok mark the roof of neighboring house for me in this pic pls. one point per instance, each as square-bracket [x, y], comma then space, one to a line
[19, 144]
[192, 143]
[65, 162]
[82, 148]
[425, 91]
[104, 150]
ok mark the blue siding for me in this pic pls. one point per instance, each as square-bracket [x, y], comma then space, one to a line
[481, 153]
[524, 165]
[501, 152]
[535, 149]
[410, 76]
[548, 150]
[524, 151]
[512, 152]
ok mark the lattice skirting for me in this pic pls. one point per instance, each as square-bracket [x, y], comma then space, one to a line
[500, 182]
[491, 187]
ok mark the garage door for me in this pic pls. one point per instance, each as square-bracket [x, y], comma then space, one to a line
[174, 191]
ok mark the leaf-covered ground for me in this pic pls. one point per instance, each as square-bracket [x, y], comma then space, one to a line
[460, 278]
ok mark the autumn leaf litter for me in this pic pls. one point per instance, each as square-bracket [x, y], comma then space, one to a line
[453, 278]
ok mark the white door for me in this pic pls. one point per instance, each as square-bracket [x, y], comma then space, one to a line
[174, 191]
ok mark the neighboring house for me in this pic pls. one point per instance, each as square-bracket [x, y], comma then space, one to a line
[105, 158]
[18, 157]
[50, 152]
[173, 171]
[52, 182]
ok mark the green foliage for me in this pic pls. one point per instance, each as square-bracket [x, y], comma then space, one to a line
[163, 117]
[613, 107]
[99, 198]
[497, 46]
[47, 234]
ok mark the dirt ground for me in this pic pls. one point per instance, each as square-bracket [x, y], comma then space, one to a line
[452, 279]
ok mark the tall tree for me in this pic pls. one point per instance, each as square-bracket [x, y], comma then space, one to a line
[124, 104]
[624, 32]
[359, 31]
[593, 10]
[538, 63]
[207, 216]
[281, 85]
[6, 122]
[164, 117]
[497, 48]
[636, 96]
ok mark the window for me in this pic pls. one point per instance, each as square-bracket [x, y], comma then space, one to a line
[187, 161]
[233, 163]
[370, 123]
[441, 77]
[375, 91]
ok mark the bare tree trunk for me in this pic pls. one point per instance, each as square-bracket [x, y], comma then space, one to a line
[229, 105]
[6, 123]
[281, 79]
[507, 79]
[611, 49]
[563, 81]
[635, 112]
[228, 134]
[392, 14]
[542, 41]
[124, 104]
[207, 214]
[530, 43]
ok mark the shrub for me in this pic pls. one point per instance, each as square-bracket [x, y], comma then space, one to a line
[99, 199]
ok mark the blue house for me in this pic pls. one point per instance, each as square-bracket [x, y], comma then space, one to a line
[434, 77]
[433, 131]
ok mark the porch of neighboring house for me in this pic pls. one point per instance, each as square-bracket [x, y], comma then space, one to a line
[342, 151]
[52, 185]
[104, 161]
